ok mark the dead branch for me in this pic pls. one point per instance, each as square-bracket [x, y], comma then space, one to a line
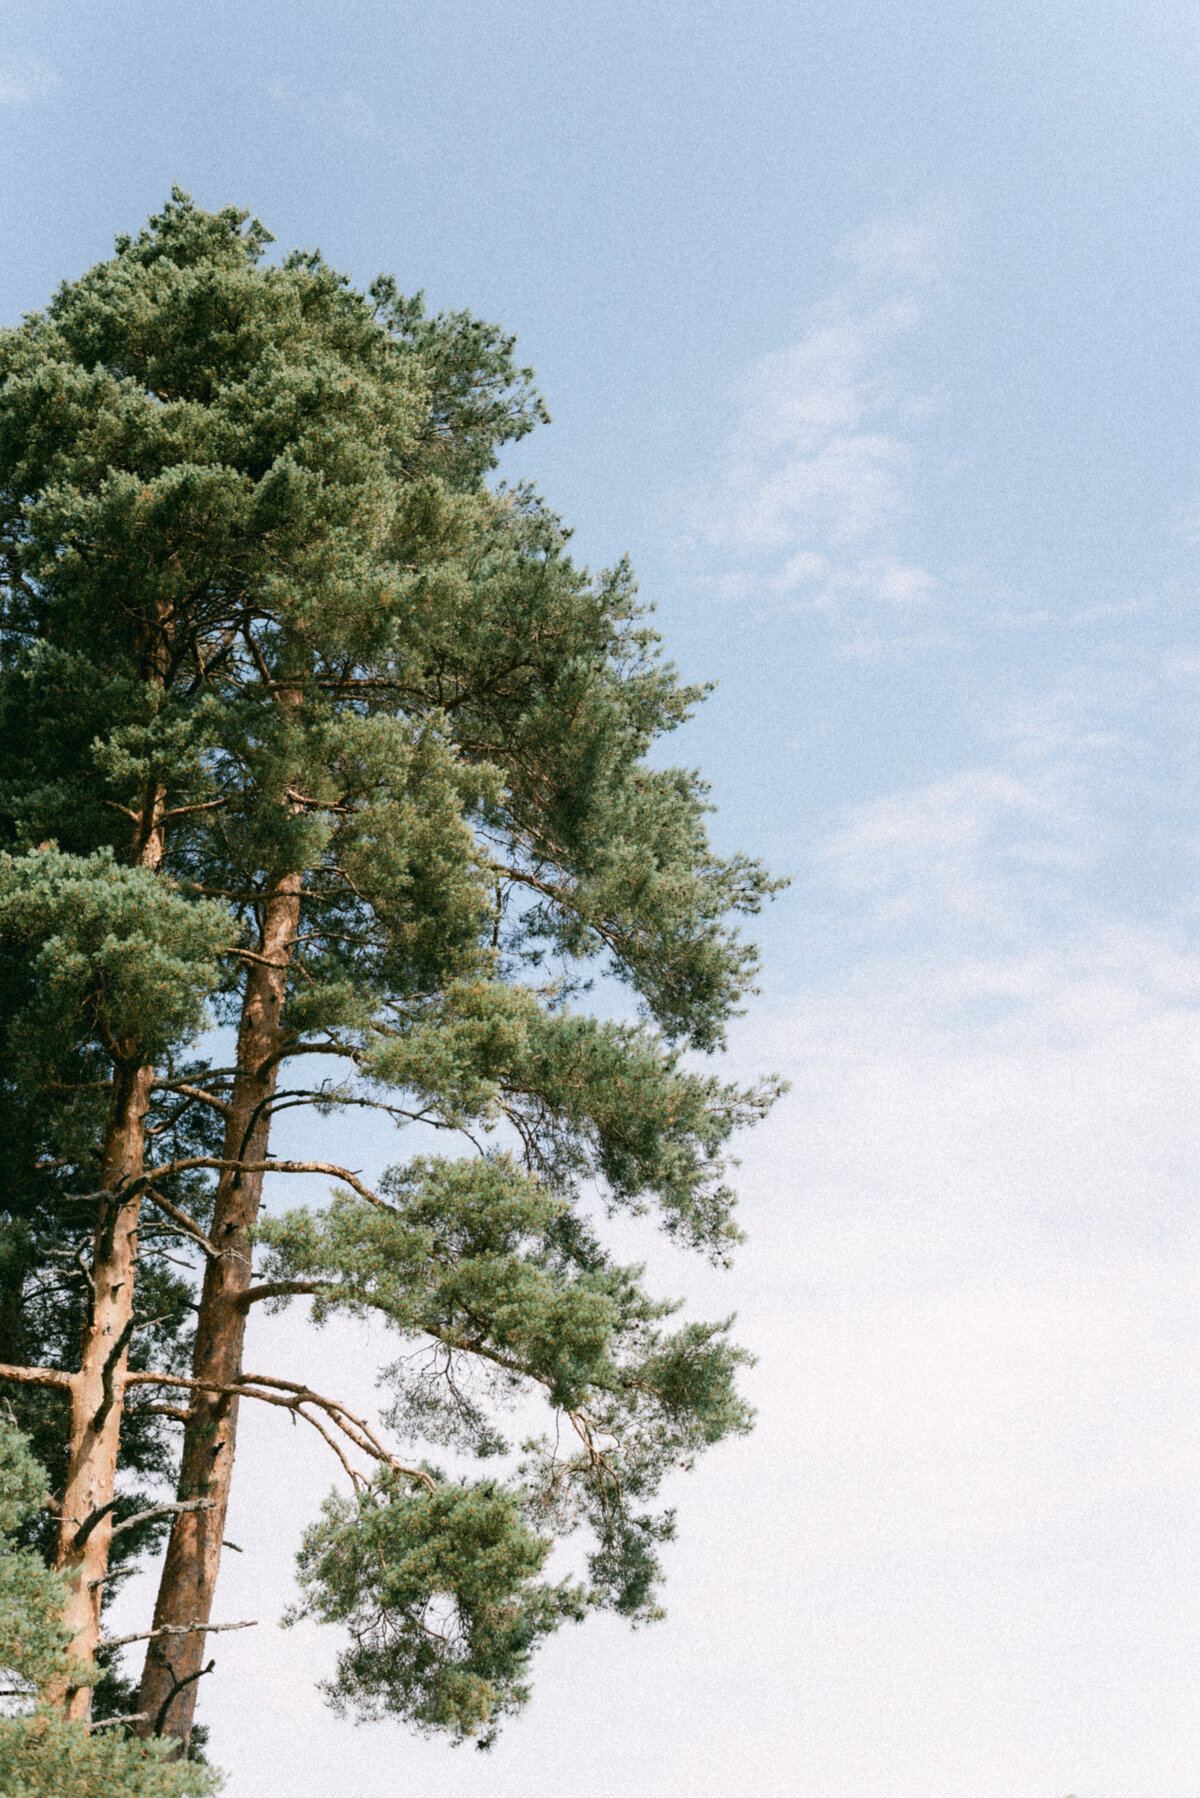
[184, 1222]
[89, 1523]
[170, 1629]
[177, 1686]
[37, 1376]
[109, 1370]
[172, 1510]
[194, 1092]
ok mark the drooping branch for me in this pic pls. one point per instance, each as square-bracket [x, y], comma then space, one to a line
[291, 1395]
[219, 1164]
[184, 1222]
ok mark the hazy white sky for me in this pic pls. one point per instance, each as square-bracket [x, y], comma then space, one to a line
[872, 333]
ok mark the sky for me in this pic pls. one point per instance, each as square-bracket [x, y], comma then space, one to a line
[871, 333]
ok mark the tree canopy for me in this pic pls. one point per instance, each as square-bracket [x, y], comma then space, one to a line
[311, 728]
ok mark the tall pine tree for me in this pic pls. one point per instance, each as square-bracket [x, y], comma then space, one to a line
[266, 612]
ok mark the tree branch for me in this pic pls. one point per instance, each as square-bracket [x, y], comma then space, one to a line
[188, 1162]
[290, 1395]
[183, 811]
[177, 1686]
[171, 1629]
[172, 1510]
[194, 1092]
[89, 1523]
[281, 1289]
[187, 1224]
[110, 1366]
[38, 1376]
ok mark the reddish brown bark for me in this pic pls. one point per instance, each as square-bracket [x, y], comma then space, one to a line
[98, 1389]
[189, 1576]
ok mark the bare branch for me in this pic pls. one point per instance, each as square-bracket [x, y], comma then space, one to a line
[251, 955]
[183, 811]
[332, 1168]
[38, 1376]
[290, 1395]
[187, 1504]
[194, 1092]
[171, 1629]
[188, 1225]
[89, 1523]
[177, 1686]
[109, 1370]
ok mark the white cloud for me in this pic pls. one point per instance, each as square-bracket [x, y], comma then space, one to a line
[26, 79]
[959, 846]
[809, 502]
[956, 1555]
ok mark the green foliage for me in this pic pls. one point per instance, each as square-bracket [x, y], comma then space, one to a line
[438, 1588]
[100, 956]
[32, 1645]
[257, 595]
[44, 1756]
[602, 1102]
[483, 1261]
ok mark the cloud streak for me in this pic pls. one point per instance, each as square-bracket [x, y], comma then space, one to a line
[810, 501]
[24, 80]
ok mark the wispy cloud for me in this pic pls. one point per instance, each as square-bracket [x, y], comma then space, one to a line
[344, 112]
[958, 847]
[26, 79]
[809, 502]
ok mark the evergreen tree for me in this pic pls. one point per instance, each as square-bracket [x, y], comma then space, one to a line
[266, 611]
[43, 1754]
[104, 967]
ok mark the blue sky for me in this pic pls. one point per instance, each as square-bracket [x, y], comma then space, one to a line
[871, 333]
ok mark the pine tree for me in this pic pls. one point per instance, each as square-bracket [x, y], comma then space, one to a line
[105, 967]
[42, 1754]
[267, 610]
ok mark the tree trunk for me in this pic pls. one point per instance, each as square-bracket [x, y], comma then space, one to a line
[98, 1389]
[185, 1593]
